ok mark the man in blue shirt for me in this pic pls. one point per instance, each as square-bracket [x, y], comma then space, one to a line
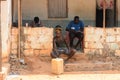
[75, 29]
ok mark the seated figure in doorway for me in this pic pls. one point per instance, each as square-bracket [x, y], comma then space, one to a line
[75, 29]
[36, 22]
[60, 45]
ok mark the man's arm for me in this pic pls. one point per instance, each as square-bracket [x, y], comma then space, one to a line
[54, 45]
[69, 26]
[81, 24]
[67, 45]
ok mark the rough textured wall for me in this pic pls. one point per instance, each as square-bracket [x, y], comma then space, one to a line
[34, 41]
[40, 8]
[5, 29]
[95, 42]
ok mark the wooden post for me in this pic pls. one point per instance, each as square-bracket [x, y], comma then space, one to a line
[19, 27]
[104, 12]
[104, 18]
[0, 43]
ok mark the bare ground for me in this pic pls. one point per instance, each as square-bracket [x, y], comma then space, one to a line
[79, 63]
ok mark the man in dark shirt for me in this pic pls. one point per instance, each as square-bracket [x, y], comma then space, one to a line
[75, 29]
[36, 22]
[60, 45]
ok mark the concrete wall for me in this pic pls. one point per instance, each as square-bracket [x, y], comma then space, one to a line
[5, 28]
[83, 8]
[95, 42]
[34, 41]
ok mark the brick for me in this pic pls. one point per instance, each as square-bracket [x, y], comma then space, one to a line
[116, 31]
[98, 45]
[93, 45]
[35, 45]
[86, 51]
[89, 37]
[36, 52]
[14, 51]
[93, 37]
[14, 45]
[27, 45]
[99, 31]
[14, 38]
[86, 44]
[89, 30]
[110, 39]
[28, 30]
[28, 52]
[110, 31]
[100, 51]
[118, 38]
[46, 52]
[114, 46]
[1, 76]
[36, 39]
[113, 31]
[14, 31]
[57, 66]
[117, 52]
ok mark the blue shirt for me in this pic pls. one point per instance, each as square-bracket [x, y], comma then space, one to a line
[74, 26]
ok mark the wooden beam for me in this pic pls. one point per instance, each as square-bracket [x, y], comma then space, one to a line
[19, 28]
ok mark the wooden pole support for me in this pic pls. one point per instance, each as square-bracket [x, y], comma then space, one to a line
[19, 27]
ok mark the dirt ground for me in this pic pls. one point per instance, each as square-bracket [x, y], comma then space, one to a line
[79, 67]
[79, 63]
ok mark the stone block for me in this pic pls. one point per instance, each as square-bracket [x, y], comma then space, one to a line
[86, 51]
[99, 31]
[117, 52]
[89, 30]
[28, 30]
[46, 51]
[93, 45]
[14, 45]
[100, 51]
[116, 31]
[36, 52]
[28, 52]
[93, 37]
[110, 38]
[86, 44]
[114, 46]
[118, 38]
[14, 31]
[113, 31]
[57, 66]
[1, 76]
[14, 51]
[5, 71]
[27, 45]
[35, 45]
[89, 37]
[110, 31]
[14, 38]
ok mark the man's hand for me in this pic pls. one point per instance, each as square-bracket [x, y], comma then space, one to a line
[56, 51]
[80, 31]
[73, 31]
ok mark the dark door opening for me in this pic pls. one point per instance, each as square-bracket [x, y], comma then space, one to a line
[110, 13]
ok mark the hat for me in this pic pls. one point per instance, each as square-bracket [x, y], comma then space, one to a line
[58, 27]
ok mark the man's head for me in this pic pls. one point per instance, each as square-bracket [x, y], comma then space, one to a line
[76, 19]
[36, 19]
[58, 30]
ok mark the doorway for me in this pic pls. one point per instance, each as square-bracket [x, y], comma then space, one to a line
[111, 13]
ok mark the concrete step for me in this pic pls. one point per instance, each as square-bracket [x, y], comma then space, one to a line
[87, 66]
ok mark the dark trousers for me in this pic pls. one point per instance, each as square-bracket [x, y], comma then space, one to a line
[73, 35]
